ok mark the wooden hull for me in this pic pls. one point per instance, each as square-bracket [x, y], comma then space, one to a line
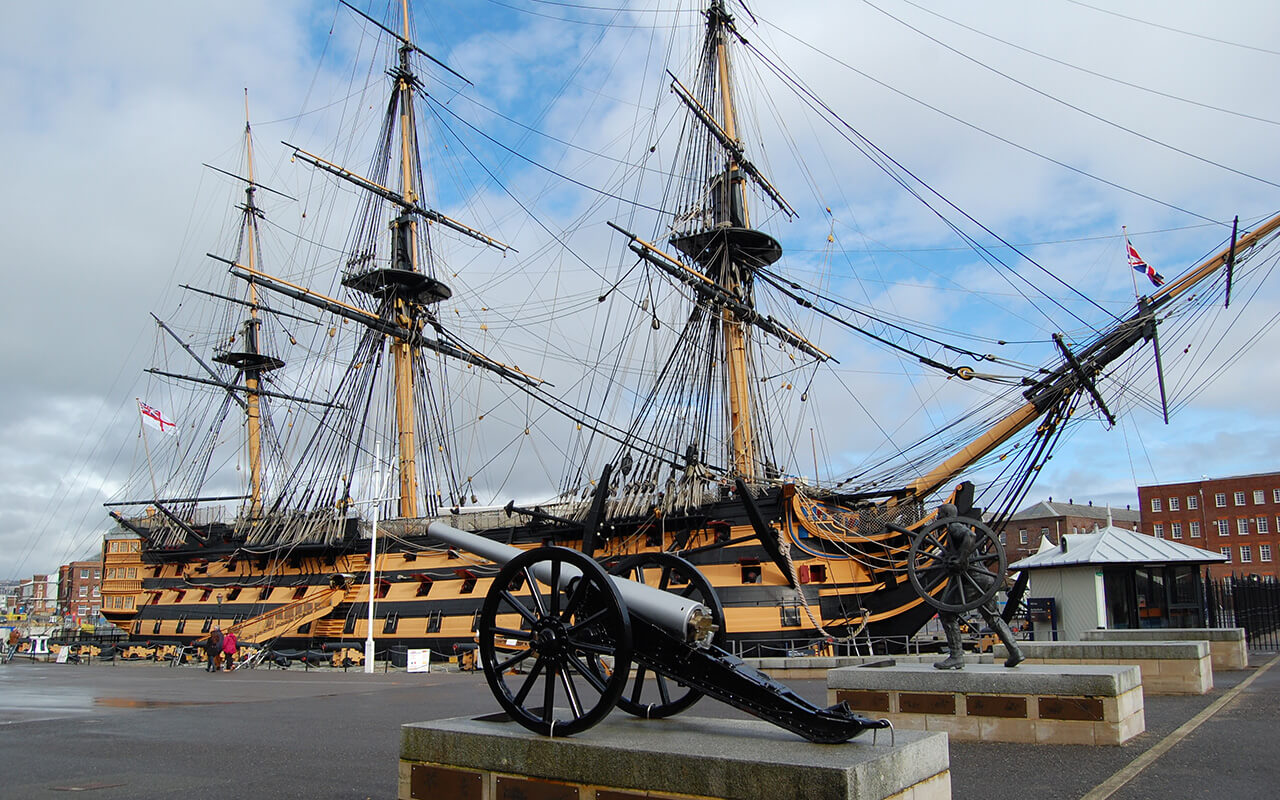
[427, 595]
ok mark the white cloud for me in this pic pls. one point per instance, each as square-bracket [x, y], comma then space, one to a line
[110, 112]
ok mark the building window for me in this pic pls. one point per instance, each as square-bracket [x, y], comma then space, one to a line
[1174, 504]
[1226, 551]
[1262, 525]
[1003, 539]
[97, 574]
[1264, 552]
[1022, 536]
[84, 591]
[1158, 530]
[1223, 528]
[1239, 498]
[1246, 555]
[1175, 530]
[96, 591]
[1275, 495]
[1155, 504]
[1259, 497]
[1220, 499]
[84, 574]
[1242, 527]
[1195, 529]
[1193, 502]
[1044, 532]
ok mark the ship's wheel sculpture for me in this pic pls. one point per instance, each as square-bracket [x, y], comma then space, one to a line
[956, 564]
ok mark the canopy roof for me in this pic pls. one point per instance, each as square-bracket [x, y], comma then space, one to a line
[1112, 545]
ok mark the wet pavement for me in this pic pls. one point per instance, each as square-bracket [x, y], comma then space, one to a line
[153, 731]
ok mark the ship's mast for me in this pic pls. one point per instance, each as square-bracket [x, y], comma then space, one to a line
[405, 251]
[731, 276]
[253, 412]
[250, 359]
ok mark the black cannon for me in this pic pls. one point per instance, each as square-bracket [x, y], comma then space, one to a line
[562, 642]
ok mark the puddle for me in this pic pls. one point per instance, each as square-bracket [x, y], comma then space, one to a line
[133, 702]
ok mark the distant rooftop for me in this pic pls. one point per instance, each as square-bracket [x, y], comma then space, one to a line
[1052, 508]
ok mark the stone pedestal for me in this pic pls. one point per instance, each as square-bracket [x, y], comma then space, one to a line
[1167, 667]
[684, 758]
[1075, 704]
[1227, 647]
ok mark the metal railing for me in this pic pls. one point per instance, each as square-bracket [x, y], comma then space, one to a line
[1252, 603]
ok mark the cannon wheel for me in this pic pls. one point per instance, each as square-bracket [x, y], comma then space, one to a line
[561, 634]
[671, 697]
[971, 579]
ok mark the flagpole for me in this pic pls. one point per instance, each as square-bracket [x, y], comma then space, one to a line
[1125, 230]
[146, 445]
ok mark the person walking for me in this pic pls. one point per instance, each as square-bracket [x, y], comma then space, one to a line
[214, 648]
[229, 650]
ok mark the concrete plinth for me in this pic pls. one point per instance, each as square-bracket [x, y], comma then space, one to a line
[1227, 646]
[816, 667]
[681, 757]
[1167, 667]
[1070, 704]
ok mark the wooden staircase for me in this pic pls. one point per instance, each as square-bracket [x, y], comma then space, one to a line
[287, 619]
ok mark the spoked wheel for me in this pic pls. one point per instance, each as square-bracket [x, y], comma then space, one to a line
[652, 695]
[560, 633]
[956, 564]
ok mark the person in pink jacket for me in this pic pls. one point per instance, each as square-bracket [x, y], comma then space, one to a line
[229, 650]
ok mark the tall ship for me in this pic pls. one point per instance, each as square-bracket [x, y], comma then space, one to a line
[332, 407]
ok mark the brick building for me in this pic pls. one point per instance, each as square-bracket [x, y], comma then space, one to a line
[80, 591]
[38, 597]
[1238, 517]
[1025, 529]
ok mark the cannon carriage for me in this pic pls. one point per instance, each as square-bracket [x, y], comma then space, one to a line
[562, 642]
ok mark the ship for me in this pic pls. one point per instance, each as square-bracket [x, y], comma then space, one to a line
[397, 407]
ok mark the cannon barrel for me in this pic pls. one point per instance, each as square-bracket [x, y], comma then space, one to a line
[686, 619]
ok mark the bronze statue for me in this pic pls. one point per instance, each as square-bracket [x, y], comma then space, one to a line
[958, 548]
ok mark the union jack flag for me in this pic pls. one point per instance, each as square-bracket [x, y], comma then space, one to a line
[1138, 264]
[152, 418]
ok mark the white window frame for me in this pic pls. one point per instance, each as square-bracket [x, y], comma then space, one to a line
[1246, 554]
[1155, 504]
[1175, 504]
[1242, 526]
[1175, 530]
[1157, 530]
[1193, 502]
[1223, 526]
[1264, 553]
[1259, 497]
[1239, 498]
[1275, 495]
[1263, 525]
[1226, 551]
[1195, 529]
[1220, 499]
[1022, 536]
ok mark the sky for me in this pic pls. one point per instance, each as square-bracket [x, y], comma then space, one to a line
[1053, 123]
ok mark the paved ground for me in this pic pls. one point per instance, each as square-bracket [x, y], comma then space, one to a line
[146, 731]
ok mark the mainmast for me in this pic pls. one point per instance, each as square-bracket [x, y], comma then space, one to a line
[404, 231]
[731, 276]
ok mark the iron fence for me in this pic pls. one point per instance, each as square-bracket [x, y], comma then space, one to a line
[1252, 603]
